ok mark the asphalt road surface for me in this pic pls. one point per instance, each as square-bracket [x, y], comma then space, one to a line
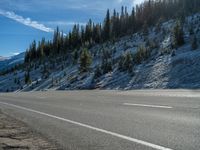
[111, 120]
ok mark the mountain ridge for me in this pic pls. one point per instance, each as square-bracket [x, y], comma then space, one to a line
[9, 62]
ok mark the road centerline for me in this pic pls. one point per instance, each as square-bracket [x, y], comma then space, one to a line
[148, 144]
[145, 105]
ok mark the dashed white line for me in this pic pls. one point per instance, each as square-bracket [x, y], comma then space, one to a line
[42, 97]
[154, 93]
[144, 105]
[154, 146]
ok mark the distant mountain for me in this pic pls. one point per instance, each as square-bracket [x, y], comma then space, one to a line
[8, 62]
[3, 58]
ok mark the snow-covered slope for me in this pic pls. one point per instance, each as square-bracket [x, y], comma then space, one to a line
[8, 62]
[165, 67]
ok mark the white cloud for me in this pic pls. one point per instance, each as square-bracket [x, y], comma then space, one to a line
[15, 53]
[136, 2]
[25, 21]
[119, 1]
[64, 23]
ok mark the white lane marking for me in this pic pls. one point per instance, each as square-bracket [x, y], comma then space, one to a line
[158, 147]
[144, 105]
[189, 95]
[42, 97]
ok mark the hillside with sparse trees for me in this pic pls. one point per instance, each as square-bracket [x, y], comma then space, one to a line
[156, 45]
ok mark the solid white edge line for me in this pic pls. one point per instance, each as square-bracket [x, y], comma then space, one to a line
[158, 147]
[144, 105]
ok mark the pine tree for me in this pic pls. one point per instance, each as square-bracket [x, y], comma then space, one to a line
[107, 26]
[15, 80]
[56, 41]
[75, 56]
[45, 71]
[142, 54]
[98, 72]
[128, 62]
[132, 21]
[120, 63]
[97, 33]
[40, 49]
[114, 25]
[27, 78]
[194, 43]
[106, 66]
[178, 35]
[145, 29]
[85, 60]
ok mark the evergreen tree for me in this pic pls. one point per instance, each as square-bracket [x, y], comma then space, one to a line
[98, 72]
[85, 60]
[56, 41]
[27, 78]
[128, 62]
[132, 21]
[142, 54]
[114, 24]
[97, 33]
[15, 80]
[145, 29]
[194, 43]
[120, 63]
[45, 71]
[106, 65]
[75, 56]
[41, 49]
[107, 27]
[178, 35]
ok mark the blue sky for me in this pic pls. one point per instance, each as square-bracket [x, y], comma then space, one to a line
[22, 21]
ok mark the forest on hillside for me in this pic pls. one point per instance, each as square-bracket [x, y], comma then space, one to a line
[147, 14]
[145, 47]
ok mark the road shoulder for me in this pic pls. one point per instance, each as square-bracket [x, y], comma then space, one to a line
[16, 135]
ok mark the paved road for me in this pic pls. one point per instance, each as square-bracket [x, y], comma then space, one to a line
[111, 120]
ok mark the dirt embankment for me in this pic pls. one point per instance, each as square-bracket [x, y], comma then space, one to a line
[15, 135]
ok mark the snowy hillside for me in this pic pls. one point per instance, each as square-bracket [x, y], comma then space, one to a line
[8, 62]
[164, 67]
